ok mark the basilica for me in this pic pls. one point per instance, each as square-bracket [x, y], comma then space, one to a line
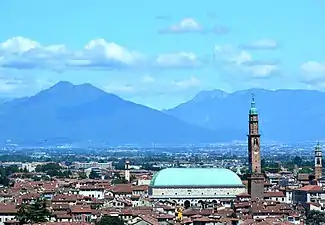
[195, 186]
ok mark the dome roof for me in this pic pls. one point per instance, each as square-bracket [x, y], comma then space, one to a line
[176, 177]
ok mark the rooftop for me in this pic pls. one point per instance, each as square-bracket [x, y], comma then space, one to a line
[175, 177]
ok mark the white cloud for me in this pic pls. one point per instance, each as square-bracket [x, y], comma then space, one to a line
[120, 89]
[23, 53]
[109, 51]
[261, 71]
[313, 72]
[187, 83]
[178, 60]
[18, 45]
[239, 61]
[190, 25]
[9, 83]
[149, 86]
[148, 79]
[7, 86]
[263, 44]
[313, 67]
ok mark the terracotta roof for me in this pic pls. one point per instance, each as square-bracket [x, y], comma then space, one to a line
[122, 189]
[140, 188]
[8, 208]
[310, 188]
[274, 194]
[80, 209]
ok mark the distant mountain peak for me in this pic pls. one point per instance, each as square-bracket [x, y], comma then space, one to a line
[66, 86]
[212, 94]
[62, 84]
[78, 113]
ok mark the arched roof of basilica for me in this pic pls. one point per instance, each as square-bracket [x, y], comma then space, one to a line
[196, 177]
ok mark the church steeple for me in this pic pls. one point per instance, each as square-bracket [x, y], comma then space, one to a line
[253, 110]
[318, 161]
[255, 177]
[254, 139]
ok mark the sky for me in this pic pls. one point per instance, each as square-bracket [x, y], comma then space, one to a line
[161, 53]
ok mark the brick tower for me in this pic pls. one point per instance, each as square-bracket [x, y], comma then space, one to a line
[127, 171]
[318, 162]
[255, 176]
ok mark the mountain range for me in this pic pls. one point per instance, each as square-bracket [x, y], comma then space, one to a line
[67, 113]
[84, 113]
[284, 115]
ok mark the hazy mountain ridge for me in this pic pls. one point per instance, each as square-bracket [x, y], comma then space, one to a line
[84, 112]
[285, 115]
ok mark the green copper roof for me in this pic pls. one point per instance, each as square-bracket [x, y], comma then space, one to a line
[253, 110]
[318, 148]
[174, 177]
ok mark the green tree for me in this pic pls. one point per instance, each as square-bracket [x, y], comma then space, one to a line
[47, 167]
[119, 181]
[94, 175]
[297, 161]
[35, 212]
[53, 170]
[315, 218]
[305, 170]
[109, 220]
[82, 175]
[23, 213]
[5, 173]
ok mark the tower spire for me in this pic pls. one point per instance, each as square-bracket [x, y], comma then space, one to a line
[253, 110]
[253, 100]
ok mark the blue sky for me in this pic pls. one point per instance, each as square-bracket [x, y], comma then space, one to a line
[161, 53]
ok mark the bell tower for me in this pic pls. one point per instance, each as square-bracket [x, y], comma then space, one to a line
[318, 162]
[254, 149]
[255, 176]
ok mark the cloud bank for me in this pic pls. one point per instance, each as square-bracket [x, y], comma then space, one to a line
[190, 25]
[25, 54]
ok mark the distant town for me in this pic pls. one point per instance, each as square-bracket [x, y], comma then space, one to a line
[216, 184]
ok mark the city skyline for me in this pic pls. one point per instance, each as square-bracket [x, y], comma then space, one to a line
[160, 54]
